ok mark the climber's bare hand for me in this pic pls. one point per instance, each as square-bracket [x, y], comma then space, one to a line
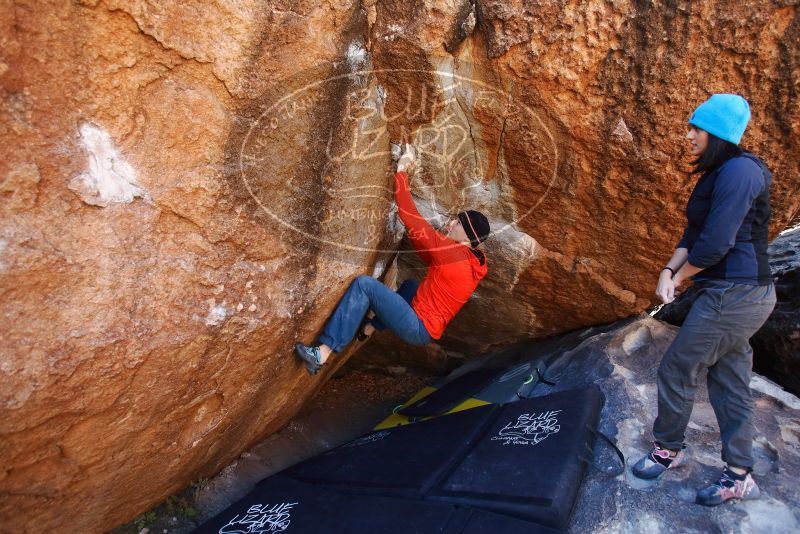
[408, 159]
[666, 287]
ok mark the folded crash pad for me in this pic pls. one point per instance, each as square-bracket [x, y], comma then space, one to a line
[523, 462]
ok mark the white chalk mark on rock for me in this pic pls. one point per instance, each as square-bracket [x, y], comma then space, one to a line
[379, 269]
[216, 314]
[3, 247]
[622, 132]
[109, 178]
[356, 55]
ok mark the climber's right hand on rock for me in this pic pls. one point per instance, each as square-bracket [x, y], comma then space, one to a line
[407, 159]
[666, 287]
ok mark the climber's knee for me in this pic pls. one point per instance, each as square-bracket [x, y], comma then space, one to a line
[363, 280]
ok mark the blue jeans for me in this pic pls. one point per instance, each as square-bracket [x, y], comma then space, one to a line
[392, 310]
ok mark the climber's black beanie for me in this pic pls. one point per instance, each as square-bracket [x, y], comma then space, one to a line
[476, 226]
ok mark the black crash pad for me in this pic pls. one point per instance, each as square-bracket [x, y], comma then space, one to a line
[400, 461]
[280, 505]
[482, 522]
[488, 469]
[530, 463]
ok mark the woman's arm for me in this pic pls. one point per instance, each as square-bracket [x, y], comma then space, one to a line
[739, 183]
[687, 270]
[426, 240]
[737, 186]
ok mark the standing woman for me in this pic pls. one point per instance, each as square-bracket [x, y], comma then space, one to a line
[724, 250]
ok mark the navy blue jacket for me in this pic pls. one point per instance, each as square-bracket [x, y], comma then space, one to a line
[728, 222]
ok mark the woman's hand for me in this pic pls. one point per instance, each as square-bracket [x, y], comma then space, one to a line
[666, 287]
[407, 160]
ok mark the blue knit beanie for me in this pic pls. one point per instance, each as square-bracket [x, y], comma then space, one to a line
[725, 116]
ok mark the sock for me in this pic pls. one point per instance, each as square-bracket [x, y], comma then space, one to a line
[737, 476]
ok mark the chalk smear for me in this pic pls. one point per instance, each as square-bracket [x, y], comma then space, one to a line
[109, 179]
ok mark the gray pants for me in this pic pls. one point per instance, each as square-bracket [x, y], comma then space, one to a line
[715, 335]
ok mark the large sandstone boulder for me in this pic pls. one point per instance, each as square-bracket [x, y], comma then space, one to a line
[188, 187]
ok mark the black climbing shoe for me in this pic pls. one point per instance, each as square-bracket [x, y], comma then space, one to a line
[730, 486]
[311, 357]
[657, 461]
[363, 336]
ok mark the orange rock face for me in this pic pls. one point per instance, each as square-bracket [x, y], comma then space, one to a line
[188, 188]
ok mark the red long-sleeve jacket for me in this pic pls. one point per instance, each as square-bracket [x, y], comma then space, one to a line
[453, 269]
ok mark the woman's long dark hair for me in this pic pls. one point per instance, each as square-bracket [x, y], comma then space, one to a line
[717, 152]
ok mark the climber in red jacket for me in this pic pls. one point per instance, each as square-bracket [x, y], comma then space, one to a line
[418, 313]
